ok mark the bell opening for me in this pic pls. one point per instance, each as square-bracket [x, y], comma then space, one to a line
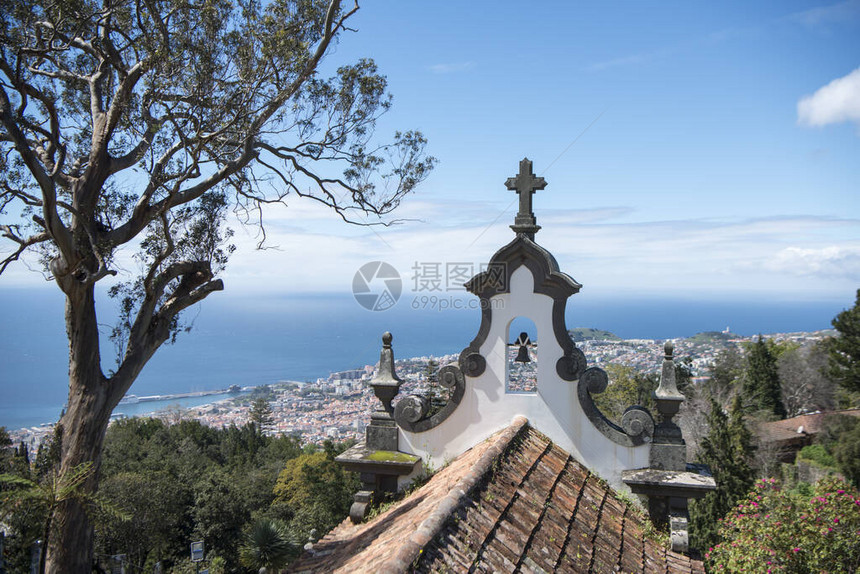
[522, 356]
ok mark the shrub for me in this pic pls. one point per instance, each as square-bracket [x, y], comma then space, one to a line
[778, 531]
[818, 455]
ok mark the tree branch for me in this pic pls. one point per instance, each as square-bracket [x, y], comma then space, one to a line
[137, 153]
[330, 30]
[55, 226]
[152, 328]
[23, 244]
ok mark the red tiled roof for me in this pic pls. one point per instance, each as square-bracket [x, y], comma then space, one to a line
[790, 430]
[514, 502]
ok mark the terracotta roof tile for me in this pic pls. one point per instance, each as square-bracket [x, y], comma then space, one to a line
[516, 502]
[797, 428]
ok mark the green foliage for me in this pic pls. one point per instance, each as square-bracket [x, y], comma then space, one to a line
[160, 524]
[844, 366]
[390, 456]
[711, 337]
[818, 455]
[581, 334]
[683, 376]
[220, 513]
[49, 493]
[846, 451]
[727, 370]
[761, 389]
[188, 481]
[774, 530]
[261, 414]
[22, 522]
[725, 450]
[267, 544]
[5, 441]
[839, 445]
[318, 489]
[215, 564]
[48, 453]
[626, 387]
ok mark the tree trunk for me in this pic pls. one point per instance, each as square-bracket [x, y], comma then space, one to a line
[91, 401]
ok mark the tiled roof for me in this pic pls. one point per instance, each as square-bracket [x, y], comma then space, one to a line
[790, 430]
[515, 502]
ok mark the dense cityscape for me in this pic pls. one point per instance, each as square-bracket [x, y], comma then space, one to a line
[338, 407]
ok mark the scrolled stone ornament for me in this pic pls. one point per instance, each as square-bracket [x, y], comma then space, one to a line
[638, 424]
[571, 366]
[636, 427]
[411, 408]
[411, 413]
[595, 380]
[450, 376]
[474, 365]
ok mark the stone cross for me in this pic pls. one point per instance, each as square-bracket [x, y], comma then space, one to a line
[525, 184]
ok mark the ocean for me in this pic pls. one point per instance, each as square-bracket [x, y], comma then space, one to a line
[301, 338]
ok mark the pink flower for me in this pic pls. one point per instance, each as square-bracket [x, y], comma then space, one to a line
[795, 549]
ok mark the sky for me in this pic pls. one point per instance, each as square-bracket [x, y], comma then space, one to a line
[691, 149]
[697, 150]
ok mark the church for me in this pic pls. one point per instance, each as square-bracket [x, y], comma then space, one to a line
[528, 474]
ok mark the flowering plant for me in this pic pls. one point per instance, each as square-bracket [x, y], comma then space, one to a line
[774, 530]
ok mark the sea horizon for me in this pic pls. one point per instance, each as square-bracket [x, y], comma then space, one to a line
[303, 338]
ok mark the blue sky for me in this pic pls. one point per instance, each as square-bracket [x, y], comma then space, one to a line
[678, 159]
[695, 175]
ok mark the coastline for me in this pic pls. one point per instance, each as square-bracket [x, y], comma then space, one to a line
[299, 406]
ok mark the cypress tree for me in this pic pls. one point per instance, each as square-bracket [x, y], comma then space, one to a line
[724, 450]
[761, 389]
[261, 415]
[844, 364]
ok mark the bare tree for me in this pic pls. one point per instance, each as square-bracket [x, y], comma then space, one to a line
[804, 381]
[136, 125]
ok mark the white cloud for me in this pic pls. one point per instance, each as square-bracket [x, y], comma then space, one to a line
[610, 250]
[601, 248]
[831, 261]
[837, 102]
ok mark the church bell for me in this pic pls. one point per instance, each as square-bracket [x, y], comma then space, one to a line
[523, 354]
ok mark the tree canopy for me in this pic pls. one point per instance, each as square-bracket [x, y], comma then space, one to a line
[844, 366]
[164, 485]
[761, 389]
[130, 128]
[726, 452]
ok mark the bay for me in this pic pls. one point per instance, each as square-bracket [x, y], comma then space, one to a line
[256, 341]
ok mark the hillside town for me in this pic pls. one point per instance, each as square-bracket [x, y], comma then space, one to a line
[337, 407]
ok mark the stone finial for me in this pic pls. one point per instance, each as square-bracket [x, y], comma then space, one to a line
[525, 184]
[668, 388]
[668, 451]
[386, 383]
